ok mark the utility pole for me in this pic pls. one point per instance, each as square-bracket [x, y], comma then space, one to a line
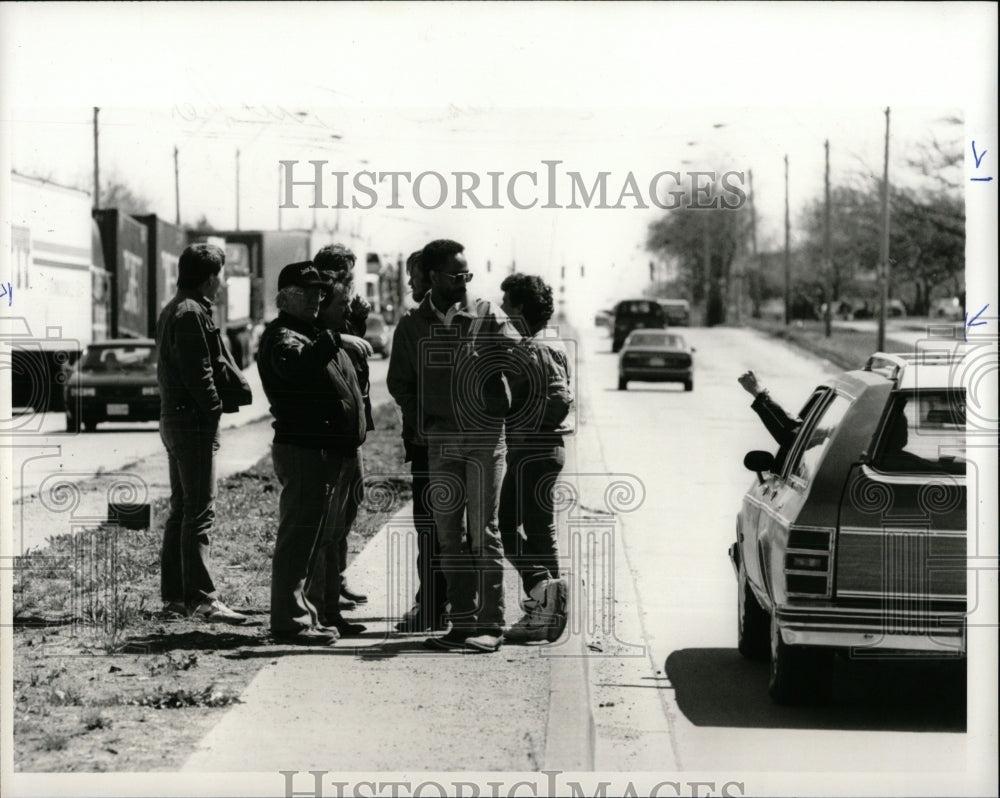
[753, 224]
[279, 196]
[827, 259]
[237, 188]
[885, 240]
[97, 171]
[707, 277]
[788, 255]
[177, 190]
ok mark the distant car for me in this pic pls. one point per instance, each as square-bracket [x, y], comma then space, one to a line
[114, 380]
[377, 334]
[842, 540]
[655, 356]
[897, 310]
[949, 308]
[677, 311]
[603, 318]
[636, 314]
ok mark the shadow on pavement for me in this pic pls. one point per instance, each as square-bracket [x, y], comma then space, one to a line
[203, 640]
[718, 687]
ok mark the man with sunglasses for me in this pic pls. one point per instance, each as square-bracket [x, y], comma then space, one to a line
[447, 374]
[319, 424]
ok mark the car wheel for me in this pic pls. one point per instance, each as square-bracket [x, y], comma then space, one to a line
[89, 424]
[752, 621]
[689, 385]
[799, 674]
[616, 347]
[72, 423]
[622, 384]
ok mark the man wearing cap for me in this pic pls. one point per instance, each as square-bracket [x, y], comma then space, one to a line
[319, 424]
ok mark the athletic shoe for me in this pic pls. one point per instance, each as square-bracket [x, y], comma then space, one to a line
[217, 612]
[488, 642]
[452, 641]
[544, 614]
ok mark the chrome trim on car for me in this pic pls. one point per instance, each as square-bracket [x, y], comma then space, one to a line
[849, 638]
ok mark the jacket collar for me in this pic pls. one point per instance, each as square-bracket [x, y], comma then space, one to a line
[427, 307]
[201, 299]
[308, 328]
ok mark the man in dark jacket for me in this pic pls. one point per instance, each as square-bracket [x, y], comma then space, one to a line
[189, 347]
[319, 425]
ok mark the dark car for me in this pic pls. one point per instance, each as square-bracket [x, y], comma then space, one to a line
[377, 334]
[677, 311]
[852, 538]
[114, 380]
[655, 356]
[635, 314]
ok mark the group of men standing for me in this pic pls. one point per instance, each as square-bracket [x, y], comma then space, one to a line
[485, 398]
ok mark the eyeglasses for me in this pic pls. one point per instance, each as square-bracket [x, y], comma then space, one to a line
[318, 289]
[461, 277]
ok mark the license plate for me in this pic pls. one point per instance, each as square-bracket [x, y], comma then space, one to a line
[657, 361]
[117, 410]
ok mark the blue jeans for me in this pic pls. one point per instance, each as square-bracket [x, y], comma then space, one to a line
[465, 475]
[191, 440]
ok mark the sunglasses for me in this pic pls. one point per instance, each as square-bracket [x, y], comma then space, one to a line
[461, 277]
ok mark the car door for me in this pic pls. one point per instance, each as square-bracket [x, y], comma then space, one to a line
[769, 498]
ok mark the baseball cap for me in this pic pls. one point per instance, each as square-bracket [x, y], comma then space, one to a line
[302, 274]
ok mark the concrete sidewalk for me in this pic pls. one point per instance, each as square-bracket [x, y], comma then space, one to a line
[382, 702]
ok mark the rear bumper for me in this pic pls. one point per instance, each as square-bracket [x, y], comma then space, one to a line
[656, 373]
[929, 634]
[145, 409]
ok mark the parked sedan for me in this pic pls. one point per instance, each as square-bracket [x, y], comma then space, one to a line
[114, 380]
[377, 334]
[677, 311]
[655, 356]
[852, 537]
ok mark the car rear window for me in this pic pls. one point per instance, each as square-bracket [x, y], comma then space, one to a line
[656, 339]
[923, 431]
[119, 358]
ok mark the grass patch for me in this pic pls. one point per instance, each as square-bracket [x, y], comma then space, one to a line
[846, 348]
[91, 648]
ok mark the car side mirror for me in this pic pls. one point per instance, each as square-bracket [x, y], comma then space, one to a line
[758, 462]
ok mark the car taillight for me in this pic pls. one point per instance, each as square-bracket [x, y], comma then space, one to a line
[151, 390]
[807, 562]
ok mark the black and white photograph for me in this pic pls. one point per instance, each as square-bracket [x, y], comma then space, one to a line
[498, 399]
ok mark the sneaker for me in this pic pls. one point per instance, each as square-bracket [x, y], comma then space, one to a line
[174, 609]
[217, 612]
[306, 637]
[488, 642]
[452, 641]
[544, 614]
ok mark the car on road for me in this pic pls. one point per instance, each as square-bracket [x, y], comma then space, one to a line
[677, 311]
[603, 318]
[852, 537]
[656, 356]
[636, 314]
[949, 308]
[114, 380]
[377, 334]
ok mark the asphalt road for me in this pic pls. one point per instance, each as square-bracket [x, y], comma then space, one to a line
[686, 452]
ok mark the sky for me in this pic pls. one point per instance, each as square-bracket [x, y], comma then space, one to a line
[631, 90]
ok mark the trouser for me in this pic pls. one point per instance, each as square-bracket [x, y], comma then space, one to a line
[307, 477]
[191, 441]
[350, 515]
[465, 475]
[326, 577]
[432, 592]
[526, 500]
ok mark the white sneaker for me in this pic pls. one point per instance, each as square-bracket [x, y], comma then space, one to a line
[545, 614]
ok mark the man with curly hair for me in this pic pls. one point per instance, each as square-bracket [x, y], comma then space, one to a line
[540, 418]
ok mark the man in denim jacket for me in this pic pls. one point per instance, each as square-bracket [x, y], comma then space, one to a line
[188, 344]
